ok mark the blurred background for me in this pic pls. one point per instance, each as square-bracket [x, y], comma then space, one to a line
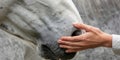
[104, 14]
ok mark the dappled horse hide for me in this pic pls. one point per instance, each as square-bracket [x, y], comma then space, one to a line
[41, 22]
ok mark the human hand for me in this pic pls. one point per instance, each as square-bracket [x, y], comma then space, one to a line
[93, 38]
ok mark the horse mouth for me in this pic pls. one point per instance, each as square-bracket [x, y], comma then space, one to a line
[47, 53]
[57, 53]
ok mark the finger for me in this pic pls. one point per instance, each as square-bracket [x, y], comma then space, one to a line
[66, 38]
[68, 43]
[69, 47]
[81, 26]
[73, 38]
[86, 27]
[72, 51]
[74, 44]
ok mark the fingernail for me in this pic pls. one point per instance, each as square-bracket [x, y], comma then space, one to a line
[67, 51]
[60, 45]
[75, 23]
[58, 41]
[62, 38]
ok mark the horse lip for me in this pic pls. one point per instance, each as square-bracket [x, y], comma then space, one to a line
[49, 54]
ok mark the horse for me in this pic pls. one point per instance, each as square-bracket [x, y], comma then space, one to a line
[30, 28]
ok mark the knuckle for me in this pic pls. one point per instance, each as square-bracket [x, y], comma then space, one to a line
[81, 45]
[69, 44]
[91, 28]
[68, 47]
[83, 38]
[98, 29]
[75, 38]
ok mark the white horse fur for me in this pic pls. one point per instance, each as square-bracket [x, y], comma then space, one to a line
[28, 24]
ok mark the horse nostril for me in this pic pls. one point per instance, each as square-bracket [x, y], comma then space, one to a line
[76, 32]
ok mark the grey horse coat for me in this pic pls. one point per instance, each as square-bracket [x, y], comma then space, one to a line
[34, 26]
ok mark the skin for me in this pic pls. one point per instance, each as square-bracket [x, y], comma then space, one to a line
[93, 38]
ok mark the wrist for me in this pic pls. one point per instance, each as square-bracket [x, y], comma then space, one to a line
[107, 40]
